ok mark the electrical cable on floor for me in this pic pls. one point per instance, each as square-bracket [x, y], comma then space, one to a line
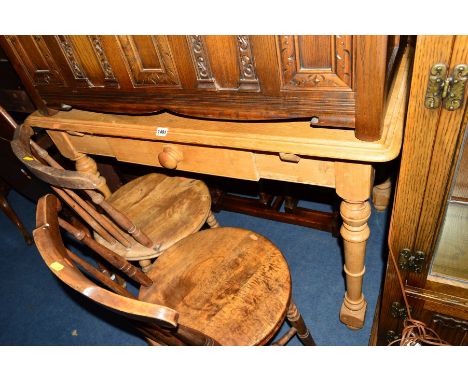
[414, 333]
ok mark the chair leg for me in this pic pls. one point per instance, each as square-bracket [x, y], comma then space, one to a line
[211, 220]
[145, 265]
[297, 322]
[11, 214]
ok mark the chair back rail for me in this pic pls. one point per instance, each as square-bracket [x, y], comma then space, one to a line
[51, 248]
[56, 177]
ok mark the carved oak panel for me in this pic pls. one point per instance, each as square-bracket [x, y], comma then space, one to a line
[35, 57]
[328, 66]
[150, 61]
[88, 61]
[242, 68]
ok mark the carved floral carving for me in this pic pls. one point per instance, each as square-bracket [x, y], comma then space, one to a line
[248, 77]
[98, 48]
[75, 66]
[201, 62]
[343, 46]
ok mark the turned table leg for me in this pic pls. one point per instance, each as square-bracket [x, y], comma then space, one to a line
[83, 162]
[355, 233]
[382, 191]
[353, 185]
[381, 194]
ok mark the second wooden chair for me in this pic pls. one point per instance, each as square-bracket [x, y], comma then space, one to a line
[142, 219]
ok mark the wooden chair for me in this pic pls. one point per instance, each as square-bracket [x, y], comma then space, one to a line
[155, 210]
[222, 286]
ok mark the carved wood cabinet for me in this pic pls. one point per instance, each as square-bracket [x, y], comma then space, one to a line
[338, 81]
[429, 227]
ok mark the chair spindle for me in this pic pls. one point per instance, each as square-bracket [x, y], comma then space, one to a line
[116, 231]
[84, 214]
[117, 261]
[101, 219]
[286, 337]
[120, 218]
[105, 280]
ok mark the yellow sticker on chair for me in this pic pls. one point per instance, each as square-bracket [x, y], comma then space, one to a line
[28, 158]
[56, 266]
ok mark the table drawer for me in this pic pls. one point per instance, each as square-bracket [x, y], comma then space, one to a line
[217, 161]
[201, 159]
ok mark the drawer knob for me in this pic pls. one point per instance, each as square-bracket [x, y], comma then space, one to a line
[170, 157]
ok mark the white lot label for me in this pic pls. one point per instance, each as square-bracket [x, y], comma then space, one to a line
[162, 131]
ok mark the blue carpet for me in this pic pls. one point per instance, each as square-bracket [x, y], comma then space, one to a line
[37, 309]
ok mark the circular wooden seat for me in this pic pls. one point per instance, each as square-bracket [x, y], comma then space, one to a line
[165, 208]
[229, 283]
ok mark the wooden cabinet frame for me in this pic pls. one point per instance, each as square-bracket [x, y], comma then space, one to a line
[431, 145]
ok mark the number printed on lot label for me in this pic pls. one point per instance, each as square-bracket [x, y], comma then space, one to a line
[162, 131]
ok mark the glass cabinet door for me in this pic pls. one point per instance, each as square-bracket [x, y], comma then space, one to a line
[450, 260]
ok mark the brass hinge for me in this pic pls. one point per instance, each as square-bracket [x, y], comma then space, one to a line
[449, 91]
[411, 262]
